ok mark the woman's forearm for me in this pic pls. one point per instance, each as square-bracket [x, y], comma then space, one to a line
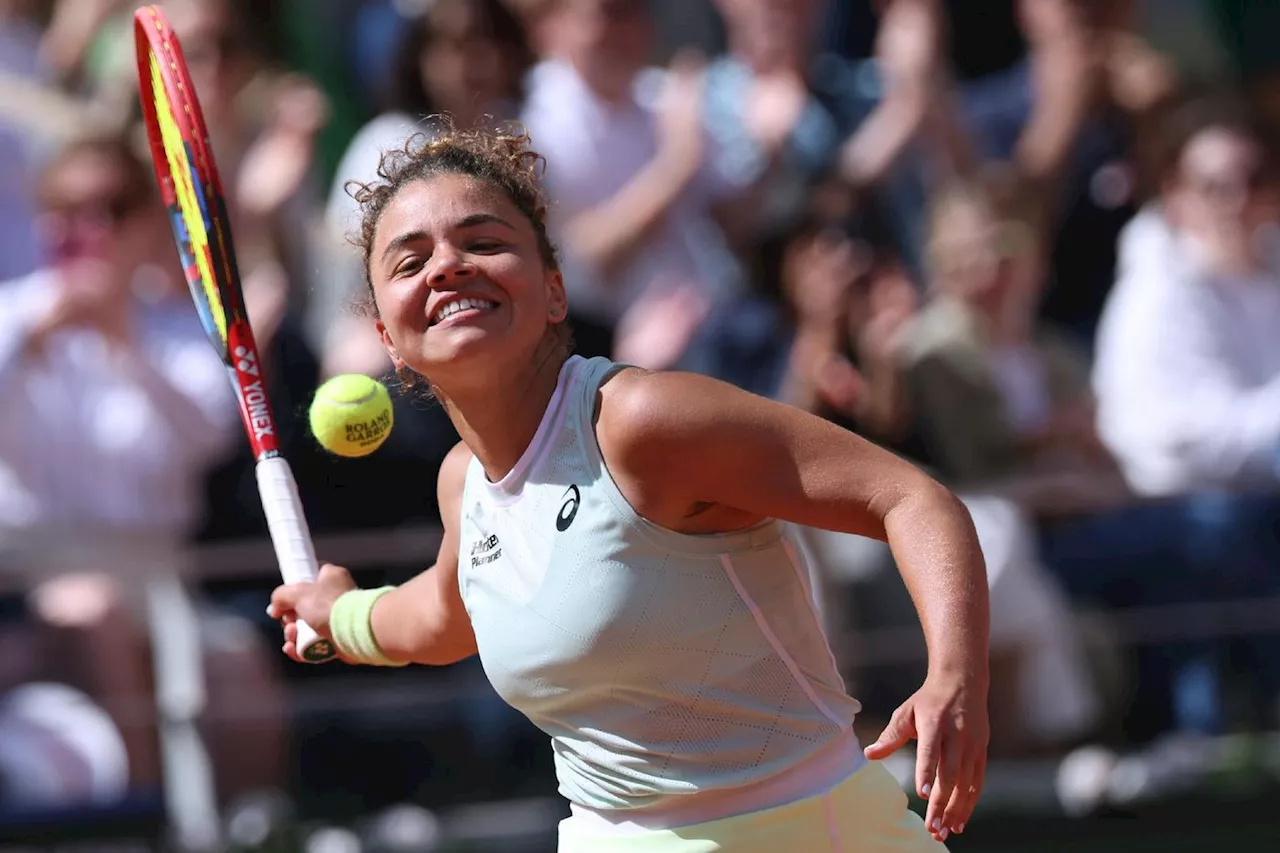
[417, 623]
[936, 548]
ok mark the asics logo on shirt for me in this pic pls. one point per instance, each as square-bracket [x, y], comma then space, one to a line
[569, 510]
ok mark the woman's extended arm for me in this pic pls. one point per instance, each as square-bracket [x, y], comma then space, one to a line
[424, 621]
[421, 621]
[743, 458]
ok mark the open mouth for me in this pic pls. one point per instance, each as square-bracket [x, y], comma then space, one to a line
[459, 306]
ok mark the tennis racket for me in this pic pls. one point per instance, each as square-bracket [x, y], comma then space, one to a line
[192, 192]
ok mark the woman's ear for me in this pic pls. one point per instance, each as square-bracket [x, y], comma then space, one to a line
[389, 345]
[557, 301]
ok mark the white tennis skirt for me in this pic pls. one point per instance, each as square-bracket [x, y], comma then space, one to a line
[866, 813]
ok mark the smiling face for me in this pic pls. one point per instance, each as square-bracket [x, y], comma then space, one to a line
[461, 285]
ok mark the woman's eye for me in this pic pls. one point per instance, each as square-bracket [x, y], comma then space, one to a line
[409, 266]
[485, 246]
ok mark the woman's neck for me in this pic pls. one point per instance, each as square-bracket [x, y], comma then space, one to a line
[498, 420]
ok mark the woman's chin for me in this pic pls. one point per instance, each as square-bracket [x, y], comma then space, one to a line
[466, 350]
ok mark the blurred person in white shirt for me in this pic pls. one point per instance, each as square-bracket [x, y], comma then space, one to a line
[1188, 355]
[116, 402]
[115, 408]
[632, 200]
[1187, 369]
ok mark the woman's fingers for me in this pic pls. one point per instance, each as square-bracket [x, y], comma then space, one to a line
[900, 730]
[928, 754]
[284, 599]
[291, 651]
[964, 796]
[976, 781]
[945, 745]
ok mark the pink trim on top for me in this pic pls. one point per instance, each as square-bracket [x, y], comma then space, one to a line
[508, 490]
[776, 644]
[799, 566]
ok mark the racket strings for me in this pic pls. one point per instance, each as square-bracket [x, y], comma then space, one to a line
[191, 206]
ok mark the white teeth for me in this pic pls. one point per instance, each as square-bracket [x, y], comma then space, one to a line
[451, 308]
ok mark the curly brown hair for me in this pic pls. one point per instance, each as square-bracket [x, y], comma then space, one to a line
[500, 157]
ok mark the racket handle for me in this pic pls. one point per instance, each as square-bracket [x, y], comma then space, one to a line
[292, 541]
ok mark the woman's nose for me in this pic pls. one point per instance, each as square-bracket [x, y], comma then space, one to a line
[448, 265]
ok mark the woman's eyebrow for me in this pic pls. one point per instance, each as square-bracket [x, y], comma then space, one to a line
[403, 240]
[482, 219]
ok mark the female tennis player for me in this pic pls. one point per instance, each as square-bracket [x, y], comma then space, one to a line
[613, 552]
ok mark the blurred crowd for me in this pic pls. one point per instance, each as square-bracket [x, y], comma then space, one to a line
[1031, 245]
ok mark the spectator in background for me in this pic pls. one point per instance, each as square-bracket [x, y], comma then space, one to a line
[849, 297]
[1003, 400]
[858, 311]
[827, 289]
[465, 59]
[1188, 364]
[1004, 409]
[632, 209]
[110, 319]
[782, 115]
[1188, 357]
[1007, 409]
[115, 408]
[1075, 117]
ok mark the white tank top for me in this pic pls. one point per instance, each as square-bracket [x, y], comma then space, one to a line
[662, 665]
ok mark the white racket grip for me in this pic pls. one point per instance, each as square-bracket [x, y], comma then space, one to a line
[291, 538]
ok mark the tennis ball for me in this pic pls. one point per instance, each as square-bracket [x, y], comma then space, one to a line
[351, 415]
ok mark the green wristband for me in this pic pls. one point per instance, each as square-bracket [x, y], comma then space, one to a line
[351, 624]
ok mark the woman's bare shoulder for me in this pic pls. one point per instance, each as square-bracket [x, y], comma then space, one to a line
[452, 477]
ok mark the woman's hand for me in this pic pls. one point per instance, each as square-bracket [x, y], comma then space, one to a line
[947, 716]
[311, 602]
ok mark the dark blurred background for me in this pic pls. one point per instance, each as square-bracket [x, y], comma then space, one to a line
[1031, 245]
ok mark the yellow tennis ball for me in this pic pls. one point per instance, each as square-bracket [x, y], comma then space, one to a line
[351, 415]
